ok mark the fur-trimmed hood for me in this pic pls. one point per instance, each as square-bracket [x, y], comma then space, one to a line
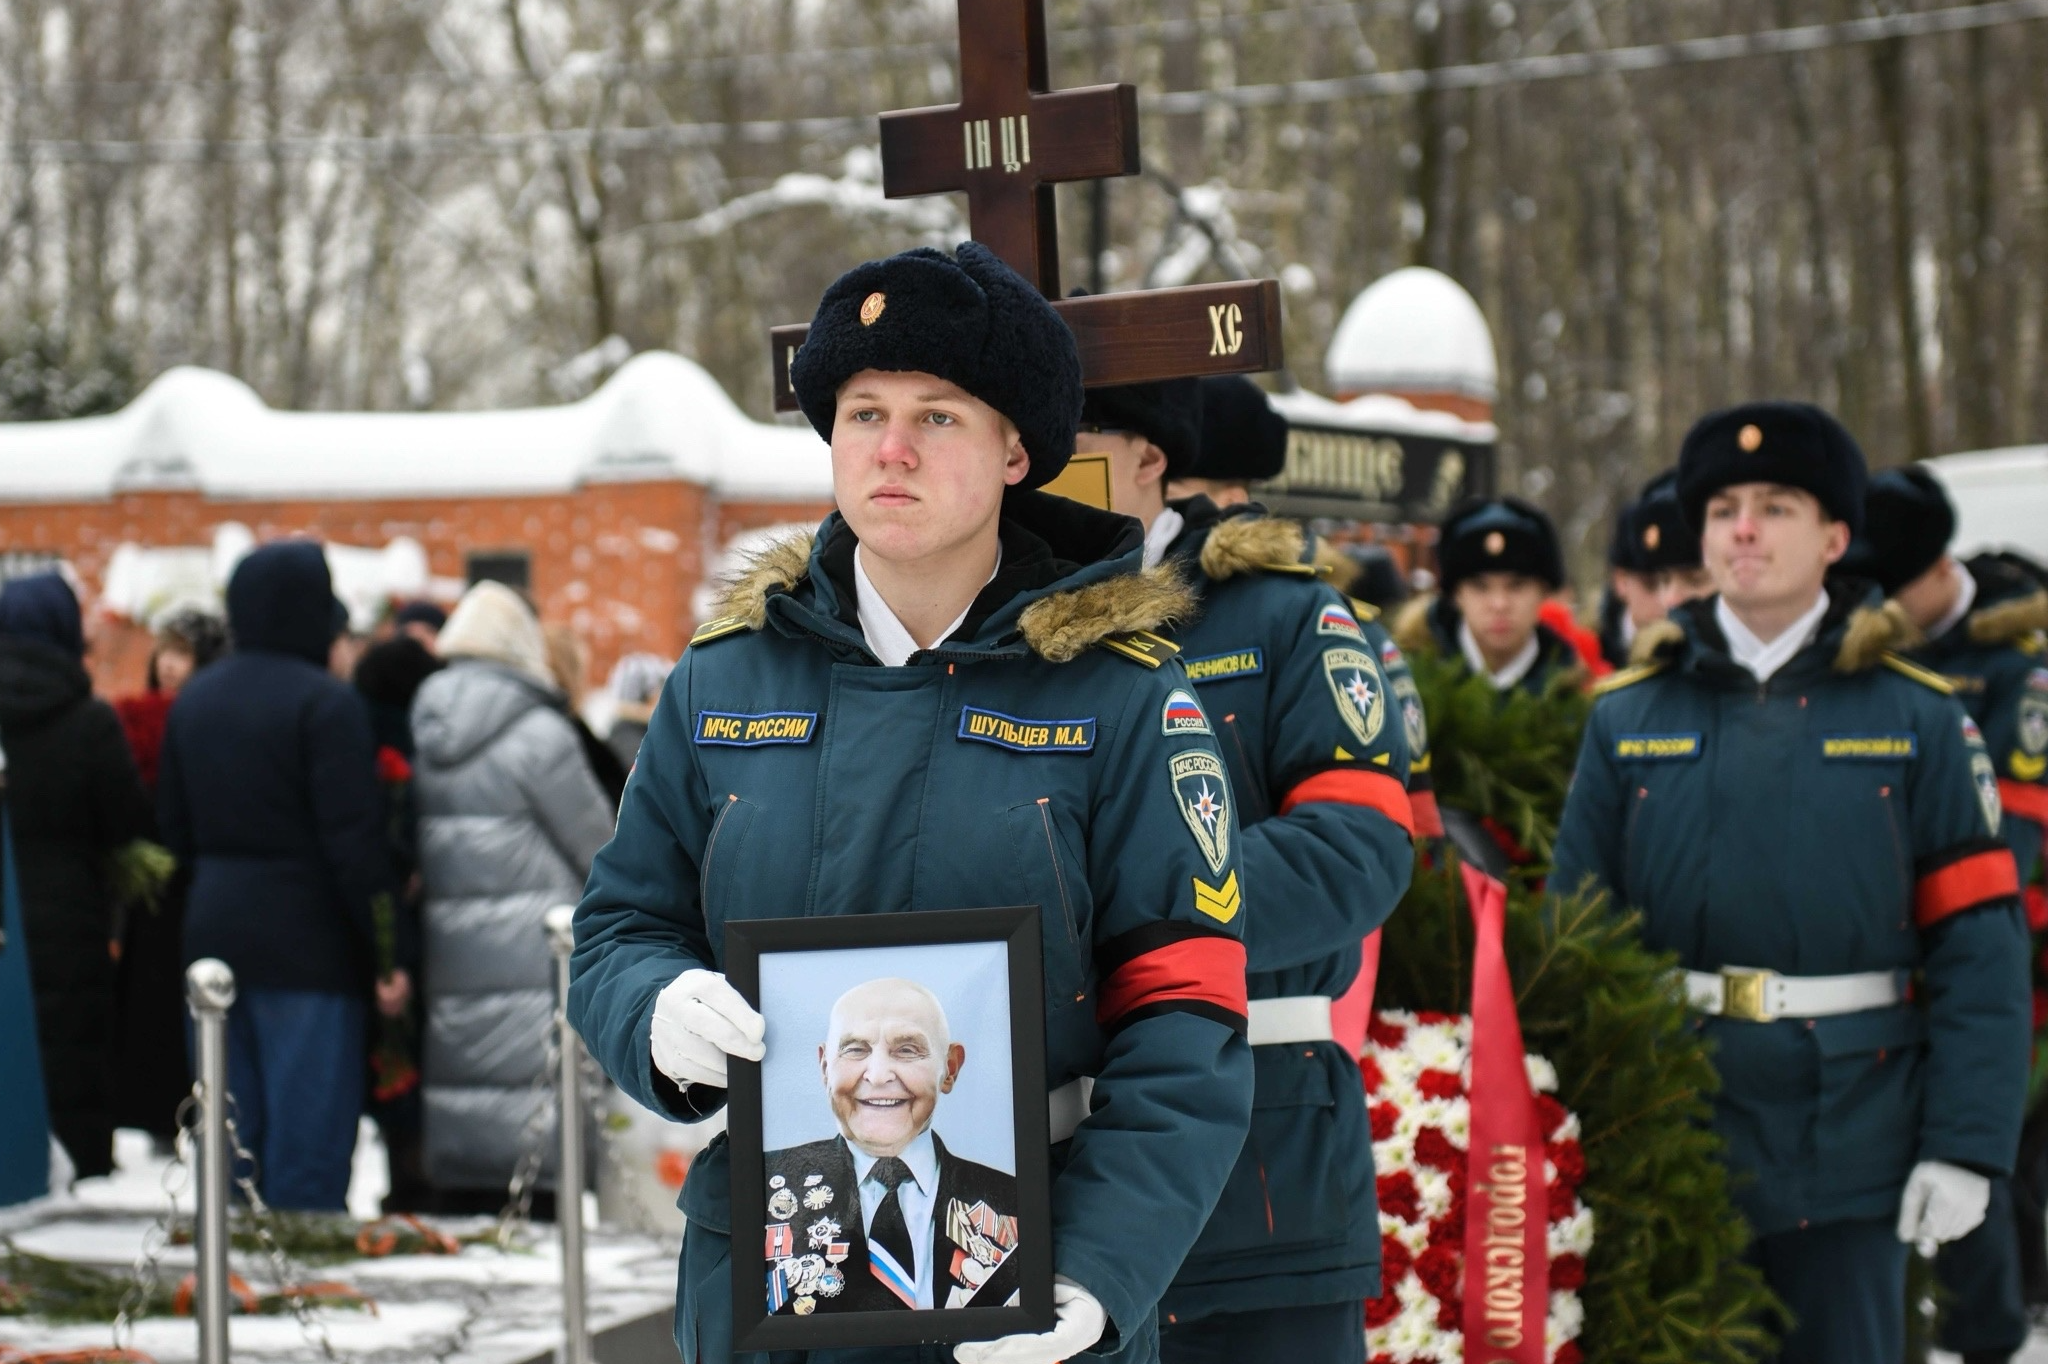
[1059, 626]
[1249, 542]
[1865, 629]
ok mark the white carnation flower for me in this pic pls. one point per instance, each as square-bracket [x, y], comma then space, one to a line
[1542, 1075]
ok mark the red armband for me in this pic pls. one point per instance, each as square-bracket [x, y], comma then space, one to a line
[1965, 878]
[2028, 800]
[1172, 968]
[1356, 786]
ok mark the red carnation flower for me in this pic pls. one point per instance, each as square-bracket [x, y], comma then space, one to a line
[1450, 1314]
[1434, 1149]
[1562, 1197]
[1369, 1071]
[1381, 1310]
[1395, 1262]
[392, 768]
[1449, 1230]
[1383, 1117]
[1440, 1084]
[1550, 1114]
[1399, 1197]
[1386, 1034]
[1568, 1272]
[1570, 1159]
[1438, 1268]
[2040, 1007]
[1569, 1353]
[1435, 1017]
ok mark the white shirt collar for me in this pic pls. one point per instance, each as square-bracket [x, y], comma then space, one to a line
[1517, 667]
[886, 636]
[1761, 657]
[1161, 536]
[921, 1156]
[1966, 597]
[1628, 628]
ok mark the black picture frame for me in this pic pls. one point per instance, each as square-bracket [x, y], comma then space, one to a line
[754, 1327]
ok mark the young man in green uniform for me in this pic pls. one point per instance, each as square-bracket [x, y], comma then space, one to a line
[1314, 737]
[1809, 823]
[1983, 628]
[949, 697]
[1497, 558]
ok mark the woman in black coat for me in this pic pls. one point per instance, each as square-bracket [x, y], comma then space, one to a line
[75, 799]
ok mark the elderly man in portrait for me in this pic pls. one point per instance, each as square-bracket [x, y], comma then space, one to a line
[883, 1217]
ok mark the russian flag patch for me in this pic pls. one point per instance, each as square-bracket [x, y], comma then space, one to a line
[1183, 715]
[1335, 620]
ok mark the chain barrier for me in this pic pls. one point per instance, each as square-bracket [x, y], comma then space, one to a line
[146, 1280]
[516, 1217]
[290, 1277]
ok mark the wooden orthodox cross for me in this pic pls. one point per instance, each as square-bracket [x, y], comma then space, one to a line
[1007, 142]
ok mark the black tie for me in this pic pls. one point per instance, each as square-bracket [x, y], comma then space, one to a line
[888, 1230]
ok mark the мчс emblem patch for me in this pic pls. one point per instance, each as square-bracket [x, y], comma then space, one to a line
[1986, 778]
[752, 731]
[1413, 719]
[2033, 726]
[1183, 715]
[1203, 792]
[1355, 683]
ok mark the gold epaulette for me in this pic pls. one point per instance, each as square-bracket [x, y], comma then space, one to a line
[1932, 680]
[717, 629]
[1627, 677]
[1295, 570]
[1140, 646]
[1364, 610]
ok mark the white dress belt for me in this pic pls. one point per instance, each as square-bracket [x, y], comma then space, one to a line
[1298, 1018]
[1760, 996]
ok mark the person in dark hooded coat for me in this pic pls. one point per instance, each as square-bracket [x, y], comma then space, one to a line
[75, 799]
[268, 788]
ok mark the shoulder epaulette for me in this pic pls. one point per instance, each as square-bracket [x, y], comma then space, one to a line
[1933, 681]
[1141, 646]
[1364, 610]
[717, 629]
[1627, 677]
[1294, 570]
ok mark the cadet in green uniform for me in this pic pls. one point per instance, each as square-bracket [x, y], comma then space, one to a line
[1983, 627]
[948, 697]
[1314, 738]
[1809, 822]
[1496, 559]
[1661, 550]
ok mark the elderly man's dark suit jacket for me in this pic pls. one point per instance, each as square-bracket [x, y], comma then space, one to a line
[958, 1178]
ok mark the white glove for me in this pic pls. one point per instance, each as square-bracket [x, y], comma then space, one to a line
[699, 1020]
[1942, 1203]
[1080, 1325]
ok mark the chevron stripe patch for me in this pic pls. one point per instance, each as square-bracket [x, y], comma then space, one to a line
[1220, 903]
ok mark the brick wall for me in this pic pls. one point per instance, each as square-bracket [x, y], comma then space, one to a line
[617, 562]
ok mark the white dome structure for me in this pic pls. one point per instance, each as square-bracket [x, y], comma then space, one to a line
[1413, 331]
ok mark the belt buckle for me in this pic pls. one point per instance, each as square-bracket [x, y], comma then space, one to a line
[1743, 994]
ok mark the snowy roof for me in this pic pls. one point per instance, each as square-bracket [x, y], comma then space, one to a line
[659, 417]
[1414, 331]
[1380, 414]
[2001, 498]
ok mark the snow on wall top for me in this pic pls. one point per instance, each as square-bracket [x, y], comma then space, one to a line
[2001, 498]
[1380, 414]
[1415, 330]
[659, 417]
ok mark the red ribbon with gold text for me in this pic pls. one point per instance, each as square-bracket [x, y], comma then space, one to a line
[1507, 1259]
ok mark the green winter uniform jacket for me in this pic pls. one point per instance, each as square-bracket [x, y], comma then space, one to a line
[1839, 818]
[1035, 757]
[1314, 738]
[1995, 659]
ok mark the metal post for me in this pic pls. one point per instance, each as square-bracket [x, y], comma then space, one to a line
[569, 1175]
[209, 991]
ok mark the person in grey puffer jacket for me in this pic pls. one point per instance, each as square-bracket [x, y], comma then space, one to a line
[509, 820]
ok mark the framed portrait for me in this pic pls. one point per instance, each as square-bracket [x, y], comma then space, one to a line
[890, 1152]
